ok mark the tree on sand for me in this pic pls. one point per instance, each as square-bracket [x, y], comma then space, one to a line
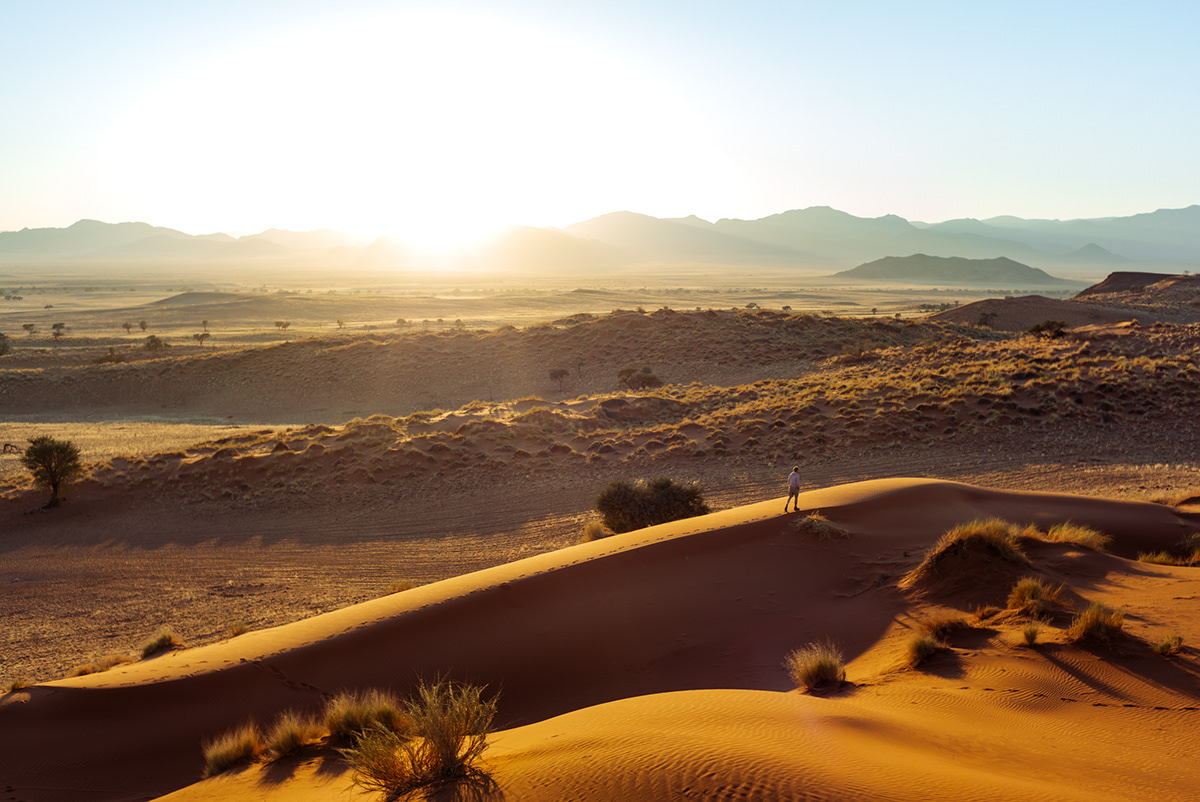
[53, 464]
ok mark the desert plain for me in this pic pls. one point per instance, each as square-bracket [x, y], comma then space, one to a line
[375, 483]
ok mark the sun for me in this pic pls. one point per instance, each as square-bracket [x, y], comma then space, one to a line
[437, 128]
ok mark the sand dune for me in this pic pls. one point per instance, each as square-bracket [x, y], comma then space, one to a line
[649, 665]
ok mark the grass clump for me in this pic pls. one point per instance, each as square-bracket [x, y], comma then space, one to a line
[1031, 596]
[292, 732]
[1156, 557]
[817, 524]
[921, 648]
[983, 539]
[1097, 623]
[353, 713]
[163, 641]
[940, 626]
[1030, 633]
[18, 684]
[101, 665]
[398, 587]
[1171, 644]
[450, 728]
[236, 628]
[816, 664]
[242, 745]
[1080, 535]
[594, 530]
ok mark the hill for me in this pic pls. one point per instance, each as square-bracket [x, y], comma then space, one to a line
[952, 271]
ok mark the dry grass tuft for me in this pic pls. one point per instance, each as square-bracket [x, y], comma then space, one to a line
[1030, 633]
[594, 530]
[18, 684]
[292, 732]
[1097, 623]
[817, 524]
[397, 587]
[1156, 557]
[941, 625]
[243, 745]
[816, 664]
[353, 713]
[921, 648]
[164, 640]
[1080, 535]
[1172, 644]
[236, 628]
[450, 728]
[103, 664]
[1031, 596]
[981, 540]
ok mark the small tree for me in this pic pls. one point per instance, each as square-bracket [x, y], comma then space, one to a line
[625, 506]
[29, 328]
[559, 375]
[341, 324]
[282, 324]
[985, 318]
[201, 336]
[143, 325]
[53, 464]
[155, 343]
[204, 324]
[636, 379]
[127, 326]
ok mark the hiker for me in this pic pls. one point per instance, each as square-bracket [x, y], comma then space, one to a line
[793, 489]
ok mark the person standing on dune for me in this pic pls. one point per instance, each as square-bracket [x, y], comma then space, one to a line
[793, 489]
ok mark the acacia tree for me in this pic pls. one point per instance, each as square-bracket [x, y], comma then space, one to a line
[53, 464]
[143, 325]
[558, 375]
[30, 328]
[127, 326]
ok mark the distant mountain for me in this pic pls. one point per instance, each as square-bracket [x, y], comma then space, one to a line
[323, 239]
[952, 272]
[521, 248]
[650, 239]
[82, 237]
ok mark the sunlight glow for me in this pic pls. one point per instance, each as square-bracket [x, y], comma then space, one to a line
[434, 128]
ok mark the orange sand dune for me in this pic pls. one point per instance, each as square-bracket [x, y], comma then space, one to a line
[614, 660]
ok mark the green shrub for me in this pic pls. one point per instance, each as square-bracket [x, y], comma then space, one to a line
[53, 464]
[625, 506]
[816, 664]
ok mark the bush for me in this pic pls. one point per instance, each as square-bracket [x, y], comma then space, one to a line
[921, 648]
[1031, 596]
[816, 664]
[450, 728]
[1051, 329]
[351, 714]
[163, 641]
[817, 524]
[1097, 623]
[1172, 644]
[292, 732]
[155, 343]
[625, 506]
[53, 463]
[243, 745]
[636, 379]
[1079, 535]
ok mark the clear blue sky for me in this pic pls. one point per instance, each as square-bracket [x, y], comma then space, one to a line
[431, 118]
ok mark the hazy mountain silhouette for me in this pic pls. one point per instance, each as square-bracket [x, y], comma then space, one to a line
[688, 240]
[953, 271]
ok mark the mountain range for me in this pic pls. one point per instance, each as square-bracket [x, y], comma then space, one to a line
[816, 239]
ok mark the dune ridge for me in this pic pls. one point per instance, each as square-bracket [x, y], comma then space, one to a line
[695, 606]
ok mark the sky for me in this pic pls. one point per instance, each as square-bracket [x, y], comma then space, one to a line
[442, 121]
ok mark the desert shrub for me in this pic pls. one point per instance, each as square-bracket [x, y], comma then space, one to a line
[594, 530]
[989, 539]
[236, 628]
[625, 506]
[292, 732]
[352, 713]
[450, 728]
[636, 379]
[941, 625]
[816, 664]
[1156, 557]
[242, 745]
[155, 343]
[1031, 596]
[1051, 329]
[1171, 644]
[1079, 535]
[921, 648]
[103, 664]
[817, 524]
[19, 683]
[53, 463]
[163, 641]
[1097, 623]
[1030, 633]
